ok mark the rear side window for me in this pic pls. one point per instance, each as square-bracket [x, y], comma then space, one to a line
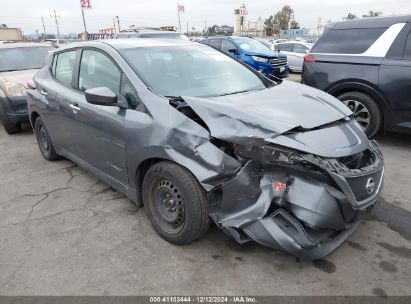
[347, 41]
[65, 66]
[286, 47]
[299, 48]
[216, 43]
[407, 49]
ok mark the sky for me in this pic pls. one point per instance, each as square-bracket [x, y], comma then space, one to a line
[27, 14]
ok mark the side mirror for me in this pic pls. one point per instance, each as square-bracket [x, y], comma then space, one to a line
[307, 51]
[101, 96]
[233, 51]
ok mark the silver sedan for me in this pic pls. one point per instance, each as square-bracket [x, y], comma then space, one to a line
[295, 51]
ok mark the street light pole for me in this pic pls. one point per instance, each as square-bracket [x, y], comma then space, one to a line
[44, 28]
[118, 23]
[84, 21]
[57, 25]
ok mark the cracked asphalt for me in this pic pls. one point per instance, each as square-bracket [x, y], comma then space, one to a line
[64, 232]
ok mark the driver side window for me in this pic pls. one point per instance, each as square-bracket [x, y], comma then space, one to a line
[227, 45]
[97, 70]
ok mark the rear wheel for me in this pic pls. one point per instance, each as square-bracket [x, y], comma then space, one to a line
[44, 141]
[175, 203]
[9, 126]
[366, 111]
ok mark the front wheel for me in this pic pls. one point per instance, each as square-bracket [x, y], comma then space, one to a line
[175, 203]
[366, 111]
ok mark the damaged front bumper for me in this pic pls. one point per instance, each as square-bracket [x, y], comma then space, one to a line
[307, 211]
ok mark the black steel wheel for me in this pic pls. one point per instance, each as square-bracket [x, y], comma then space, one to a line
[44, 141]
[175, 203]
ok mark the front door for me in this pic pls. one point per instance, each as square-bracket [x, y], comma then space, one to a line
[99, 131]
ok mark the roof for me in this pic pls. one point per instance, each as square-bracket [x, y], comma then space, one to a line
[132, 43]
[146, 42]
[22, 44]
[370, 22]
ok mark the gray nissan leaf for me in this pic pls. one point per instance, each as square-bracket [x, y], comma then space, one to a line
[196, 137]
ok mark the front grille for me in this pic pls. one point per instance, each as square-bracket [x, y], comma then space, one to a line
[365, 186]
[276, 62]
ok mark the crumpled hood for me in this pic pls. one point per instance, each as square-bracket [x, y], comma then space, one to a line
[268, 113]
[19, 76]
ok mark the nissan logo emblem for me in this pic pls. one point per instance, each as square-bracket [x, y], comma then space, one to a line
[370, 185]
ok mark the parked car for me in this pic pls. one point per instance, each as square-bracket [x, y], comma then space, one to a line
[253, 53]
[295, 51]
[151, 34]
[366, 63]
[194, 136]
[19, 62]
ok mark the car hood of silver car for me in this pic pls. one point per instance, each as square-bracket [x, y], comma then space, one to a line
[289, 114]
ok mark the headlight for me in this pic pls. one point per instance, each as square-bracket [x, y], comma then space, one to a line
[14, 89]
[269, 153]
[259, 59]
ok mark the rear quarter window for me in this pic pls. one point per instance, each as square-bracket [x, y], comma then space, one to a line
[347, 41]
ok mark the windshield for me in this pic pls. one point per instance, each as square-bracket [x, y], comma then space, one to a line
[197, 71]
[22, 58]
[249, 44]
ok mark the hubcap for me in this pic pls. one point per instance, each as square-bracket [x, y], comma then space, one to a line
[169, 206]
[361, 113]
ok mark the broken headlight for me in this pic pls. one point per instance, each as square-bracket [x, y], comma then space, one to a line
[269, 153]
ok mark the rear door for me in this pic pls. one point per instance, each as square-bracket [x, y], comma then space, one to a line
[57, 92]
[395, 79]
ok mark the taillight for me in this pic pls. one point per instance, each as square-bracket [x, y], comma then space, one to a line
[309, 58]
[31, 85]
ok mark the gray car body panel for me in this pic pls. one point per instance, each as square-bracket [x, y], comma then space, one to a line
[114, 142]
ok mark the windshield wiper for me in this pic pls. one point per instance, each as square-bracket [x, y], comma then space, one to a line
[238, 92]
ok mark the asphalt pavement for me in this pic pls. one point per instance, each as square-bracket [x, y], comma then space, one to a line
[64, 232]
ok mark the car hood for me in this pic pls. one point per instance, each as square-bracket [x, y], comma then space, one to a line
[265, 54]
[19, 76]
[267, 114]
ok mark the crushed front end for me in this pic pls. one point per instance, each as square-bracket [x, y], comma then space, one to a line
[301, 203]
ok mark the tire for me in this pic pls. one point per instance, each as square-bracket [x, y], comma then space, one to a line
[175, 203]
[9, 127]
[44, 141]
[366, 111]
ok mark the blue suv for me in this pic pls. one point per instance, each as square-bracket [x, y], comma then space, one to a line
[252, 52]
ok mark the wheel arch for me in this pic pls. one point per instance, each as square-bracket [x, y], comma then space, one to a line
[365, 88]
[33, 117]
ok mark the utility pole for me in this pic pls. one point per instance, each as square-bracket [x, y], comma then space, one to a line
[318, 26]
[84, 22]
[118, 23]
[44, 28]
[187, 27]
[57, 24]
[205, 26]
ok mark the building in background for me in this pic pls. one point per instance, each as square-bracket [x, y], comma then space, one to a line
[11, 34]
[110, 30]
[240, 20]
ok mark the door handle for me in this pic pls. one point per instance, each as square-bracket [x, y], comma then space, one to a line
[43, 92]
[75, 107]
